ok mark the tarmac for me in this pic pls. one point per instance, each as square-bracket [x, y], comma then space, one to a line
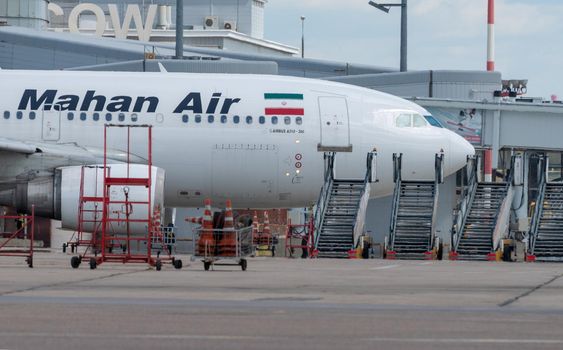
[281, 304]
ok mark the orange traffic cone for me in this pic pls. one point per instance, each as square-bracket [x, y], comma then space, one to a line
[229, 239]
[206, 244]
[229, 219]
[255, 228]
[266, 233]
[195, 220]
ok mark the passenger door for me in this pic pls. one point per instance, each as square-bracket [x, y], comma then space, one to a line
[335, 124]
[51, 125]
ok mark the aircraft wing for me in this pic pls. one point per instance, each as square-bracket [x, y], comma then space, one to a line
[7, 145]
[73, 152]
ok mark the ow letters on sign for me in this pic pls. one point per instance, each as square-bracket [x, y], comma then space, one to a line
[132, 14]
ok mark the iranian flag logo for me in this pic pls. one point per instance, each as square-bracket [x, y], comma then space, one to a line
[284, 104]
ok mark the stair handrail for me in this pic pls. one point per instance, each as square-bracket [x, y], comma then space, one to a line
[360, 218]
[504, 204]
[438, 179]
[324, 194]
[538, 210]
[397, 165]
[465, 203]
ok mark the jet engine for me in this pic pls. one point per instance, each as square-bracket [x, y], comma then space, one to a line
[58, 196]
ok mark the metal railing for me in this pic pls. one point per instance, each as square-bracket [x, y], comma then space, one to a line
[438, 179]
[506, 205]
[324, 194]
[538, 210]
[397, 178]
[465, 203]
[360, 219]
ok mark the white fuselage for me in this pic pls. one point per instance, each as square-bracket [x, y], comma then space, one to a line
[202, 148]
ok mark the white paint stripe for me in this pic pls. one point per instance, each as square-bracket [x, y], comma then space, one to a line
[469, 340]
[254, 337]
[491, 42]
[384, 267]
[425, 263]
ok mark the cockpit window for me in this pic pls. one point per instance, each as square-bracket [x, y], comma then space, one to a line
[403, 121]
[418, 121]
[433, 121]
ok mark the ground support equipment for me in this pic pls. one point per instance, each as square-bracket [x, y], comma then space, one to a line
[300, 237]
[136, 245]
[26, 231]
[223, 247]
[90, 204]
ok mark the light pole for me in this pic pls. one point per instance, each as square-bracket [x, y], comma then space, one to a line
[385, 8]
[302, 36]
[179, 29]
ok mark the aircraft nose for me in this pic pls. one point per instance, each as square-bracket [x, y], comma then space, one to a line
[460, 149]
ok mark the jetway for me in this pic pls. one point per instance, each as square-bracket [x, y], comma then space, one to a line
[412, 233]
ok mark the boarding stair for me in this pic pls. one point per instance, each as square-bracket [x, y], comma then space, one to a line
[482, 217]
[340, 210]
[412, 229]
[546, 229]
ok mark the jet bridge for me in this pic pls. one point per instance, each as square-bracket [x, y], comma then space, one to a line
[412, 233]
[545, 238]
[482, 218]
[341, 210]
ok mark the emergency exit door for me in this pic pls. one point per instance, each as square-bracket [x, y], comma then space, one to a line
[51, 125]
[335, 125]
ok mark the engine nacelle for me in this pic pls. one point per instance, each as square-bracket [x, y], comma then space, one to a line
[57, 196]
[42, 192]
[93, 188]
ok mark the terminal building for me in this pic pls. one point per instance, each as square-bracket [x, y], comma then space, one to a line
[489, 110]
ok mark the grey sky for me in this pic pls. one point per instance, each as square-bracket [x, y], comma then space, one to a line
[443, 34]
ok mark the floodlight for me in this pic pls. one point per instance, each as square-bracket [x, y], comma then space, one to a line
[380, 7]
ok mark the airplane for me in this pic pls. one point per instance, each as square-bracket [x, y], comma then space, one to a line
[255, 139]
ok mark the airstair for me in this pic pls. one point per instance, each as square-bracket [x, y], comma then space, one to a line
[412, 229]
[482, 217]
[341, 209]
[545, 239]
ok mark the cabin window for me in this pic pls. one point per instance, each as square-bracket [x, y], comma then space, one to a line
[274, 120]
[121, 117]
[83, 116]
[262, 119]
[418, 121]
[287, 120]
[185, 118]
[210, 119]
[236, 119]
[223, 119]
[31, 115]
[6, 114]
[96, 116]
[404, 121]
[134, 117]
[248, 120]
[108, 117]
[299, 120]
[19, 114]
[70, 116]
[198, 119]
